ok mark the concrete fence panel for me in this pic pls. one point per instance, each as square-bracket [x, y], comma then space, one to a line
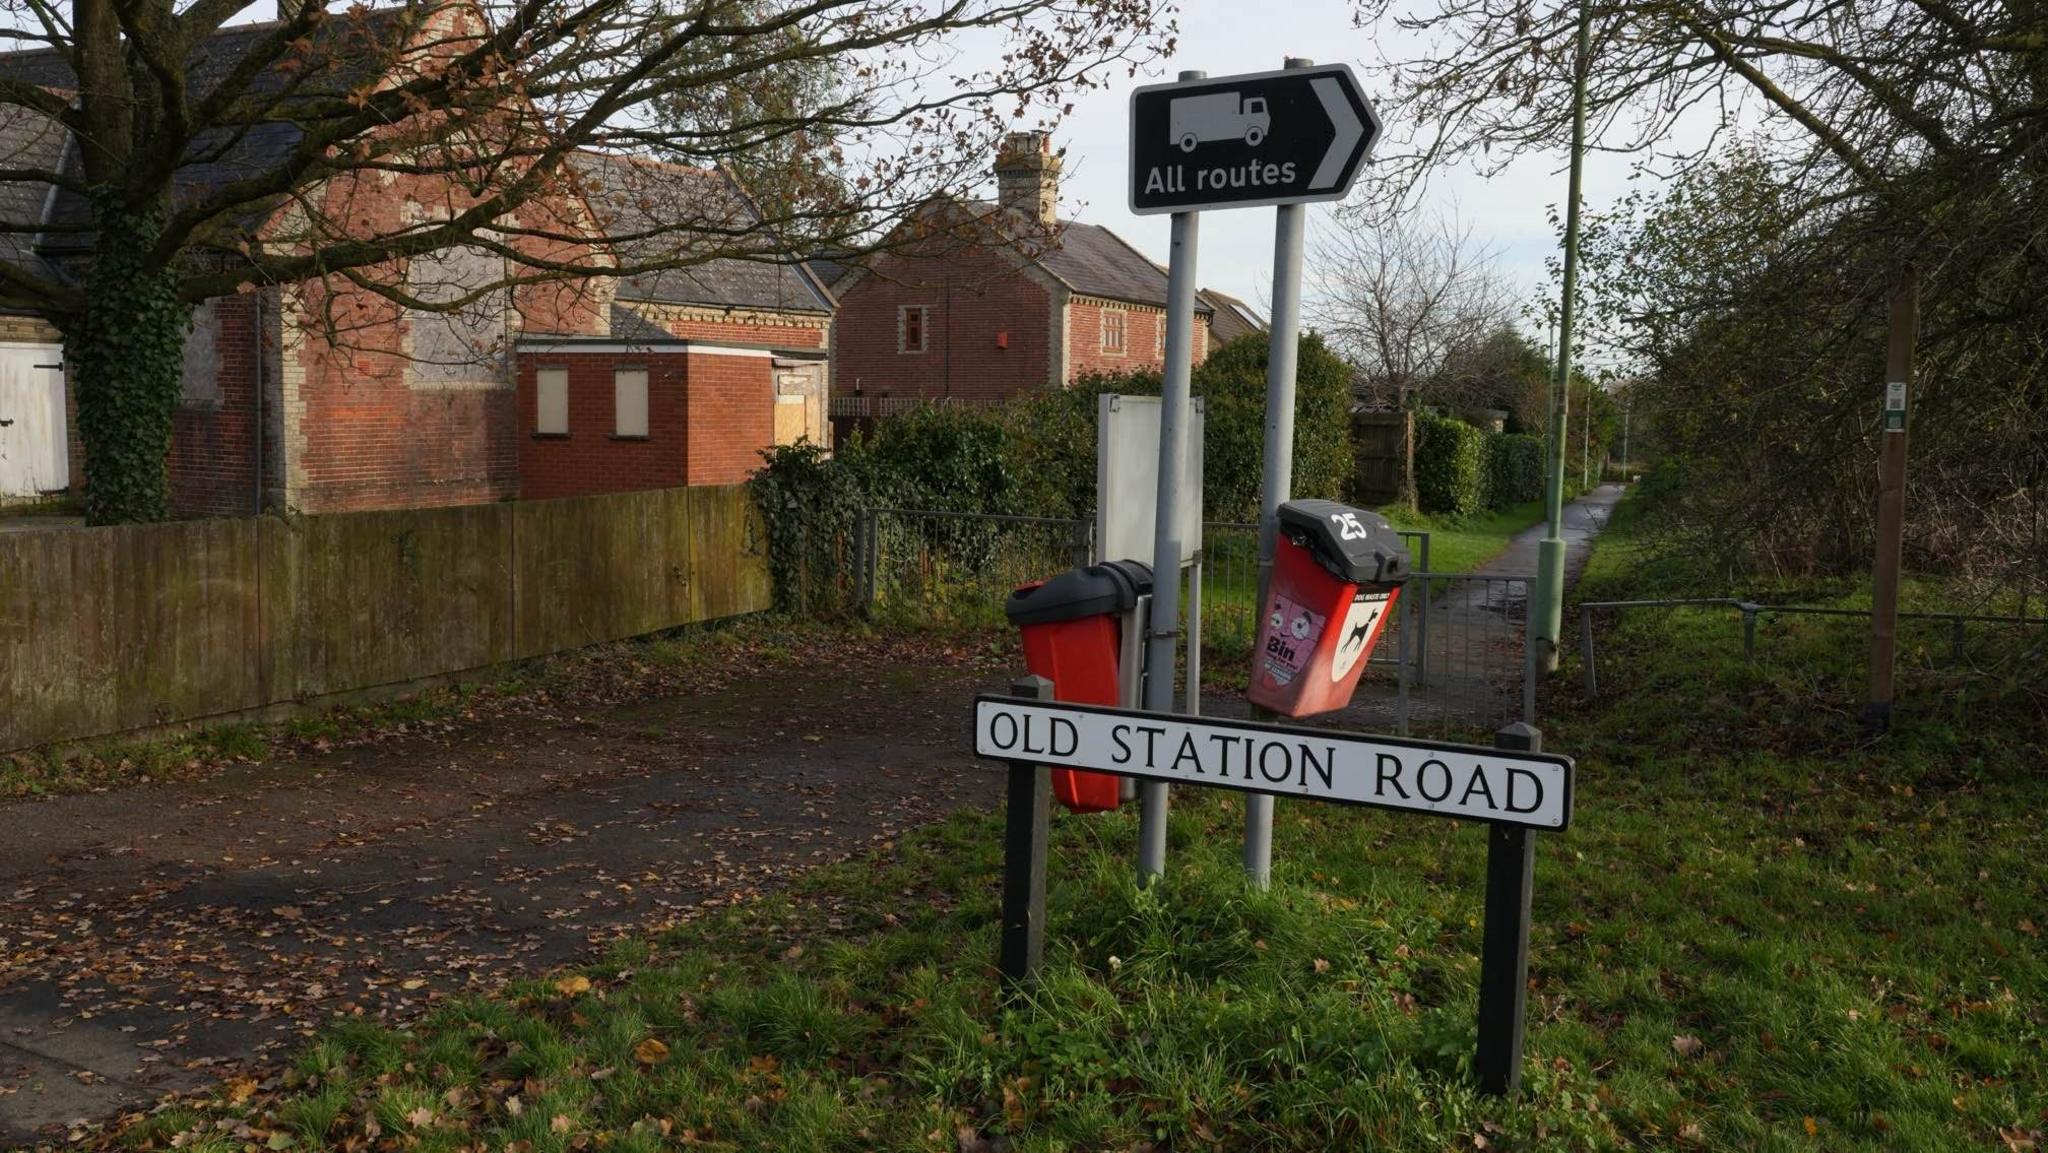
[106, 630]
[375, 598]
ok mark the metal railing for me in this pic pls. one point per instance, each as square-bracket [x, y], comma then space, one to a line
[883, 407]
[1751, 610]
[1454, 653]
[1461, 650]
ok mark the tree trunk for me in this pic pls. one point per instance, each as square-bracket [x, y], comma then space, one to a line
[127, 353]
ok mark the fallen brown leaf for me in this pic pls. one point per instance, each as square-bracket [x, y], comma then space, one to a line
[650, 1052]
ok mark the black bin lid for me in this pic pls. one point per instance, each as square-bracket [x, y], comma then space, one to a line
[1098, 590]
[1354, 544]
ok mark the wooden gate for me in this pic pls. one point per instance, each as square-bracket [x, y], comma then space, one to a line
[1384, 448]
[34, 451]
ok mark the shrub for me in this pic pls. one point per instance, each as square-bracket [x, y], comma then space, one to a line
[1450, 466]
[1514, 469]
[1033, 456]
[1233, 382]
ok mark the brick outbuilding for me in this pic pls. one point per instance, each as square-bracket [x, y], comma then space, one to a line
[603, 415]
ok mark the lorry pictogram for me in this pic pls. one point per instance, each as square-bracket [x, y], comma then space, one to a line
[1192, 120]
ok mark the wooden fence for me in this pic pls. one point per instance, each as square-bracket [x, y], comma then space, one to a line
[106, 630]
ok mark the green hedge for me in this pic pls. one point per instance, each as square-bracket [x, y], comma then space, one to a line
[1450, 466]
[1514, 469]
[1035, 456]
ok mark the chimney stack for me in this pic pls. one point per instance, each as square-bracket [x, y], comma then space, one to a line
[1028, 176]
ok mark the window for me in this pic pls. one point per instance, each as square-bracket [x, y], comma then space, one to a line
[1159, 337]
[202, 358]
[629, 400]
[551, 401]
[910, 328]
[1114, 321]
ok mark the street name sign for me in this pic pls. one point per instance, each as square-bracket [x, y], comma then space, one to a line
[1288, 137]
[1514, 788]
[1440, 778]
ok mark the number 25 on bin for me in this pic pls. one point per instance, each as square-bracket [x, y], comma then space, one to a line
[1348, 527]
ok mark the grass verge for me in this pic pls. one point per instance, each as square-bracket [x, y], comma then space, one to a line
[1761, 933]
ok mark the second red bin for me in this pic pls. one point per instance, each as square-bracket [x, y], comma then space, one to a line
[1337, 572]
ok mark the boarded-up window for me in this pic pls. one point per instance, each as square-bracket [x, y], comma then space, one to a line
[551, 401]
[202, 358]
[790, 419]
[629, 397]
[910, 328]
[465, 342]
[1113, 330]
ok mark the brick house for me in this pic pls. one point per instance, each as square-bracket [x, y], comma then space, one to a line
[312, 397]
[981, 302]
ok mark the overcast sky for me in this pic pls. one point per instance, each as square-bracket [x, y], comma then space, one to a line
[1507, 212]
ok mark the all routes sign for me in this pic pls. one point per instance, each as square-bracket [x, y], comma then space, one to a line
[1472, 782]
[1287, 137]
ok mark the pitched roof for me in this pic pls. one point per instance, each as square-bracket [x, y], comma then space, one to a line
[1088, 258]
[661, 213]
[347, 51]
[1234, 318]
[28, 140]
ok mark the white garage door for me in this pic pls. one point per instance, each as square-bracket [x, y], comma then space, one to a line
[34, 454]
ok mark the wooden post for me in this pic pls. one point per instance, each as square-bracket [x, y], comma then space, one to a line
[1024, 851]
[1504, 950]
[1891, 499]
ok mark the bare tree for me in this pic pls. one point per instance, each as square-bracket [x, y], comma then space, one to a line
[1882, 143]
[192, 159]
[1396, 295]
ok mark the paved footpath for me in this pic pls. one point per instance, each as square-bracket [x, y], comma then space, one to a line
[1584, 519]
[159, 937]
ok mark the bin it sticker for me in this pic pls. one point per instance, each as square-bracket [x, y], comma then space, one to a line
[1291, 635]
[1361, 625]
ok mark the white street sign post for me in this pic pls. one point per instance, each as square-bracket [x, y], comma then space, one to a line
[1514, 789]
[1284, 138]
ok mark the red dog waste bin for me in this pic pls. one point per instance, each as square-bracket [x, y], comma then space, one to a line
[1072, 637]
[1337, 572]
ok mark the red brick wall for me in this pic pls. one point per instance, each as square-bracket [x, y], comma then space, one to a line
[972, 296]
[708, 418]
[731, 416]
[590, 459]
[1142, 327]
[368, 435]
[368, 439]
[213, 445]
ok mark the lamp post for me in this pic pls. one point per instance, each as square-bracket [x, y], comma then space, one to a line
[1548, 618]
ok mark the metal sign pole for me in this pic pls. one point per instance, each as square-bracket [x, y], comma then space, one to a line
[1173, 455]
[1279, 472]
